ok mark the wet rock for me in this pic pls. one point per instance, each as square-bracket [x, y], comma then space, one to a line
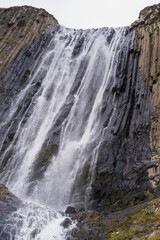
[122, 173]
[70, 210]
[78, 47]
[135, 221]
[9, 203]
[79, 207]
[66, 223]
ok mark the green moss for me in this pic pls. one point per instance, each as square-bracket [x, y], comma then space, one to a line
[48, 152]
[154, 238]
[104, 178]
[82, 217]
[94, 219]
[115, 196]
[139, 224]
[132, 202]
[119, 200]
[149, 195]
[122, 234]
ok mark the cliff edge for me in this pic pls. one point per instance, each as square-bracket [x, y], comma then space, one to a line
[19, 27]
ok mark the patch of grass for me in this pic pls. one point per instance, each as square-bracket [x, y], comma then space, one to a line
[139, 224]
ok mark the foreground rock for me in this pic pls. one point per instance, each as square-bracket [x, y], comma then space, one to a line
[8, 202]
[137, 222]
[134, 222]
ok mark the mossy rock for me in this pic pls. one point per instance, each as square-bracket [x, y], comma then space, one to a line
[139, 224]
[47, 152]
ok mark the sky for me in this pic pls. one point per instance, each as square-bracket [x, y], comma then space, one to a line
[88, 13]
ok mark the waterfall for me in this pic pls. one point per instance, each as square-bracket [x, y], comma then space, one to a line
[52, 157]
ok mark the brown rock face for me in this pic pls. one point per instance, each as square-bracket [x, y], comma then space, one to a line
[19, 27]
[148, 44]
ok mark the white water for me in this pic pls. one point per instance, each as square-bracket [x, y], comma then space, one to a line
[33, 221]
[81, 131]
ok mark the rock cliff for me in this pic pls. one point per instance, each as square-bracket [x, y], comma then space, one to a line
[127, 170]
[19, 27]
[23, 38]
[148, 46]
[128, 165]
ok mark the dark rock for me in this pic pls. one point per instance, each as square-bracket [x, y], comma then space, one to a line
[21, 23]
[122, 167]
[66, 223]
[78, 47]
[79, 207]
[8, 203]
[110, 36]
[70, 210]
[10, 24]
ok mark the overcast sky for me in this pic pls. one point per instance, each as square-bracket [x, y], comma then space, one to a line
[88, 13]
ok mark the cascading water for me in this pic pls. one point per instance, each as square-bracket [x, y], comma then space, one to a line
[51, 159]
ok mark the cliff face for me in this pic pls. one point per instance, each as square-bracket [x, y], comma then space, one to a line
[148, 46]
[19, 27]
[23, 39]
[127, 170]
[128, 161]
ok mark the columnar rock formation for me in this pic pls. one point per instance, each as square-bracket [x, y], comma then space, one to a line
[128, 161]
[148, 46]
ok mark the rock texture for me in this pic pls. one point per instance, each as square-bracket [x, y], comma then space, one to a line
[8, 202]
[148, 46]
[24, 36]
[140, 222]
[19, 27]
[124, 173]
[124, 155]
[8, 205]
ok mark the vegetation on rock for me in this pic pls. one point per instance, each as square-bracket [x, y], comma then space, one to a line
[137, 223]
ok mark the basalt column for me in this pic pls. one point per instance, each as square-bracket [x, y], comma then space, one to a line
[148, 45]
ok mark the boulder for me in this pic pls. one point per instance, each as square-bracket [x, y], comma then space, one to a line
[8, 203]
